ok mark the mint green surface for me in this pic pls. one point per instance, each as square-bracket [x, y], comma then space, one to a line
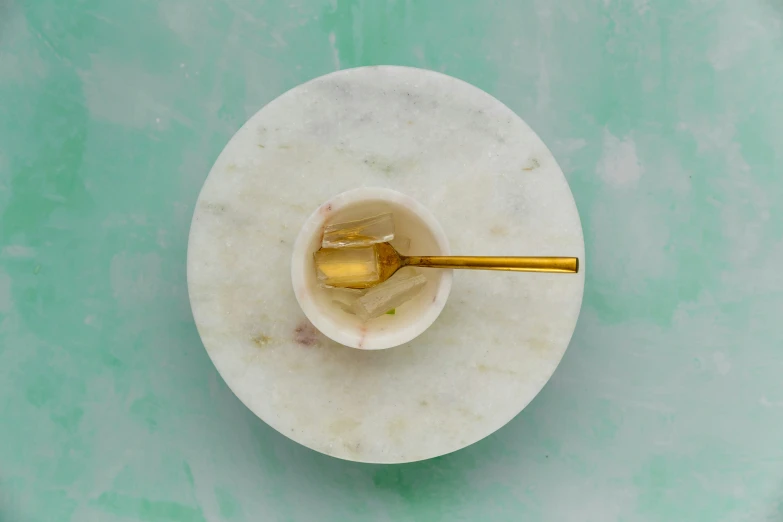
[667, 118]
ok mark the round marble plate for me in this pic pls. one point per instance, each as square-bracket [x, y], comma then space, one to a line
[496, 190]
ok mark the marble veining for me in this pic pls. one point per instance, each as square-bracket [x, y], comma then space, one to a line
[495, 188]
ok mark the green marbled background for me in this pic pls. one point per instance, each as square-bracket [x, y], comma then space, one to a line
[667, 118]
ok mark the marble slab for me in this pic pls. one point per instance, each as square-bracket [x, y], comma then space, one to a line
[495, 188]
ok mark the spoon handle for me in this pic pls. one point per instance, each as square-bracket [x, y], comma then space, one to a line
[513, 264]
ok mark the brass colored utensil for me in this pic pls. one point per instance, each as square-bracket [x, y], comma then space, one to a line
[364, 267]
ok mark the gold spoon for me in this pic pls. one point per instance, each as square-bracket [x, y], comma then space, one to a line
[364, 267]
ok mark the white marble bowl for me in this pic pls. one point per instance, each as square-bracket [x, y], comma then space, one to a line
[412, 221]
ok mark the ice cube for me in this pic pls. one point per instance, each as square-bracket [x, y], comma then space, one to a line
[344, 298]
[345, 307]
[362, 232]
[401, 244]
[390, 294]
